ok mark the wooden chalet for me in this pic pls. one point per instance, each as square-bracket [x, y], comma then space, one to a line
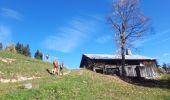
[135, 65]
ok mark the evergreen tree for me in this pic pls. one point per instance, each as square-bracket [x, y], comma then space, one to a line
[28, 50]
[38, 55]
[24, 50]
[1, 46]
[19, 48]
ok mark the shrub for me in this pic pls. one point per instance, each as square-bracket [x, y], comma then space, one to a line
[11, 48]
[38, 55]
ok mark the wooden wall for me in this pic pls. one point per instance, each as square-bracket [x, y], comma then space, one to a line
[112, 66]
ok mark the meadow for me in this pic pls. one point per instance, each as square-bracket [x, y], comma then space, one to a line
[78, 84]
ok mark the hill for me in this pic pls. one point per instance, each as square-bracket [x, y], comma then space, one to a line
[13, 65]
[79, 84]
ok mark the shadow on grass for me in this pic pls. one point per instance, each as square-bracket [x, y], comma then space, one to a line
[49, 72]
[152, 83]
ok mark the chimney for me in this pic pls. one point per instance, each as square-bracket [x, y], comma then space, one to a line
[128, 51]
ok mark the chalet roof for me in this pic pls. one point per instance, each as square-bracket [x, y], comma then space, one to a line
[127, 57]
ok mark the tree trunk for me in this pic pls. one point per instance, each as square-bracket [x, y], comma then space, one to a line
[123, 54]
[123, 61]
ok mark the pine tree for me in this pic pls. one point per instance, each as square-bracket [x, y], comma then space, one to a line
[19, 48]
[28, 50]
[24, 50]
[1, 46]
[38, 55]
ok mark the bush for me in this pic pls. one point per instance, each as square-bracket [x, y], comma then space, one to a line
[11, 48]
[38, 55]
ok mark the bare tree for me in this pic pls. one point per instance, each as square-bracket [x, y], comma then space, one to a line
[129, 23]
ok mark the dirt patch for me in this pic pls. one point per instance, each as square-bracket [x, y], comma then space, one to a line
[81, 72]
[67, 73]
[7, 60]
[21, 78]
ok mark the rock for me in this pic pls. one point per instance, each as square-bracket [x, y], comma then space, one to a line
[26, 86]
[84, 82]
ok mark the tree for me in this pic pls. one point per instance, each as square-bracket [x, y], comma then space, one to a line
[24, 50]
[165, 67]
[28, 50]
[128, 23]
[11, 48]
[1, 46]
[169, 68]
[19, 48]
[38, 55]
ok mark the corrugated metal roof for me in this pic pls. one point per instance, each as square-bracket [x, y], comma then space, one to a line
[128, 57]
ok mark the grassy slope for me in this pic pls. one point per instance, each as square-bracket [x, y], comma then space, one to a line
[80, 84]
[23, 66]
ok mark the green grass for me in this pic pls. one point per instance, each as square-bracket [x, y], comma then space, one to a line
[166, 77]
[79, 85]
[23, 66]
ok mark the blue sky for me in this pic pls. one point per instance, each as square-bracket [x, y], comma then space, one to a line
[66, 29]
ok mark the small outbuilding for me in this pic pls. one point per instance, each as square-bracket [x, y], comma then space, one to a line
[135, 65]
